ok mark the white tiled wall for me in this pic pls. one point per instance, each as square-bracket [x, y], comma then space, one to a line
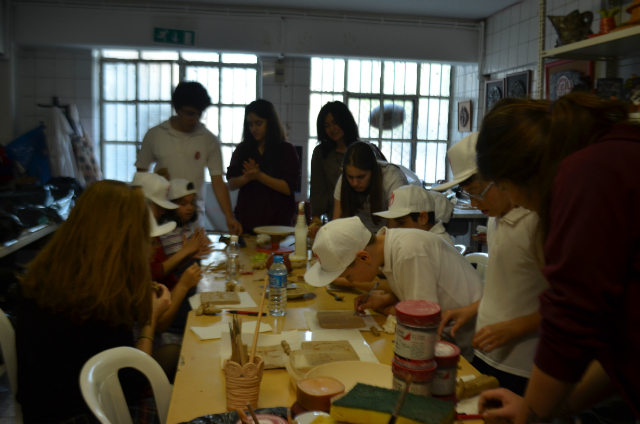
[465, 87]
[44, 73]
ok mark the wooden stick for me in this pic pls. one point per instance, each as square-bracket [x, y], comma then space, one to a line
[289, 420]
[253, 414]
[234, 347]
[257, 332]
[243, 417]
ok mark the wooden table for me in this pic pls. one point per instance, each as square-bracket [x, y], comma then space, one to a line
[199, 387]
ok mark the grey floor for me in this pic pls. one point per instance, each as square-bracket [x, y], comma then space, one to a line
[7, 410]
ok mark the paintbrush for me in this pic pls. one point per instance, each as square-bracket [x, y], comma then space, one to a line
[234, 348]
[253, 414]
[289, 419]
[367, 297]
[400, 402]
[242, 416]
[255, 335]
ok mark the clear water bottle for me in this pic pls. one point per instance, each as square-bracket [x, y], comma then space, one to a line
[233, 261]
[278, 288]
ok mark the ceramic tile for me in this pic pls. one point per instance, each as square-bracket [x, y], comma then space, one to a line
[83, 89]
[533, 51]
[513, 35]
[513, 57]
[504, 40]
[84, 69]
[65, 68]
[523, 54]
[45, 87]
[515, 14]
[523, 33]
[302, 77]
[271, 93]
[66, 88]
[45, 68]
[300, 95]
[525, 10]
[534, 28]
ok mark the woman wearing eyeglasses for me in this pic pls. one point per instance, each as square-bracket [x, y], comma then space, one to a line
[507, 315]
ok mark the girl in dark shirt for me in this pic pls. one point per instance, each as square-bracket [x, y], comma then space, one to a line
[266, 169]
[82, 295]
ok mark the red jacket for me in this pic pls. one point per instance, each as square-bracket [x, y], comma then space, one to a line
[157, 269]
[592, 308]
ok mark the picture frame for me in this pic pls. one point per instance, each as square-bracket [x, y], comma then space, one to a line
[465, 116]
[561, 76]
[518, 85]
[493, 92]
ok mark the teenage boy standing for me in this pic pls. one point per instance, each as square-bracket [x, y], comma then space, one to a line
[186, 147]
[507, 316]
[418, 265]
[413, 207]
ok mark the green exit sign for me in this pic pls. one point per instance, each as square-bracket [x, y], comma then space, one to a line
[174, 36]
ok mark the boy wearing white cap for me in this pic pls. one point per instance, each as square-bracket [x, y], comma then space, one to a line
[413, 207]
[417, 264]
[507, 316]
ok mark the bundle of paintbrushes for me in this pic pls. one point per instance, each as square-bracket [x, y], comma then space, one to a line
[243, 375]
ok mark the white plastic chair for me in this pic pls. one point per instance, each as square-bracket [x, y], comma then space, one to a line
[461, 248]
[102, 391]
[481, 260]
[8, 346]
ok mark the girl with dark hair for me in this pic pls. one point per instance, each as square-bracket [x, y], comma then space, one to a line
[337, 130]
[266, 169]
[574, 162]
[365, 186]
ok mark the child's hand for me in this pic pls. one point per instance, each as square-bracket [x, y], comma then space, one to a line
[191, 246]
[460, 315]
[376, 302]
[161, 302]
[493, 336]
[191, 277]
[511, 404]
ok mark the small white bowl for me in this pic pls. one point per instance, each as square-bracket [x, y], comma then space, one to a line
[298, 261]
[309, 417]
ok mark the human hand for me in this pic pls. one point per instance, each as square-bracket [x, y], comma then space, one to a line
[493, 336]
[235, 228]
[375, 302]
[251, 170]
[460, 315]
[190, 277]
[511, 404]
[161, 303]
[191, 246]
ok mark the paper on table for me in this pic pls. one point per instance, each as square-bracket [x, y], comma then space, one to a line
[312, 321]
[468, 406]
[245, 302]
[263, 340]
[215, 331]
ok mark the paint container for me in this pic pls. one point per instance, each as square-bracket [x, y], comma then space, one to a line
[417, 329]
[447, 357]
[421, 378]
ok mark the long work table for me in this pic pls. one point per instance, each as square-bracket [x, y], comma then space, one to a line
[199, 387]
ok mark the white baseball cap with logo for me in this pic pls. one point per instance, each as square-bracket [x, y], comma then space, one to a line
[156, 188]
[159, 230]
[180, 188]
[336, 246]
[462, 158]
[408, 199]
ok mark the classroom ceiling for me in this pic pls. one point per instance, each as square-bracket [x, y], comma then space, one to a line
[455, 9]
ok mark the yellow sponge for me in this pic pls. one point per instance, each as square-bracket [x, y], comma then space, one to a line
[366, 404]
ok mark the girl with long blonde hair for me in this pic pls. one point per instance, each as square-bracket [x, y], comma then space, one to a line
[82, 295]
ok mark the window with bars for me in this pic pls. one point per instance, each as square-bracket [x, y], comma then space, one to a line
[416, 138]
[136, 89]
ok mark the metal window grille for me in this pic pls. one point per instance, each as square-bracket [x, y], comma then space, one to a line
[422, 90]
[135, 95]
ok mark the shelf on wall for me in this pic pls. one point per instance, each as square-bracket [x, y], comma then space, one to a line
[616, 45]
[26, 238]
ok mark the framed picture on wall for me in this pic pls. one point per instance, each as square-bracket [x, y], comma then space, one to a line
[464, 116]
[518, 85]
[564, 76]
[493, 92]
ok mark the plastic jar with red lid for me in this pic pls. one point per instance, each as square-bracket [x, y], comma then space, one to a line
[417, 329]
[421, 379]
[447, 357]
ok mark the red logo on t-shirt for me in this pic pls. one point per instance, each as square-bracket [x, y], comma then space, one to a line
[391, 200]
[197, 155]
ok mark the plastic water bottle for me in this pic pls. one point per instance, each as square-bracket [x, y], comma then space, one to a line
[278, 288]
[233, 261]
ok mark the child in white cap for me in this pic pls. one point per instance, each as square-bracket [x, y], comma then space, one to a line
[413, 207]
[418, 265]
[507, 316]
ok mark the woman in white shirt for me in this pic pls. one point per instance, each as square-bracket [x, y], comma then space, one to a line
[365, 186]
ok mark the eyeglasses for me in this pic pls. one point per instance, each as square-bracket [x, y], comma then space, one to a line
[190, 113]
[479, 197]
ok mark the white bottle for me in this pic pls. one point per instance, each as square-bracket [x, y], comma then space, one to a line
[233, 261]
[301, 231]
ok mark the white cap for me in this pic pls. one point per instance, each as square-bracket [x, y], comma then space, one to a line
[335, 247]
[180, 188]
[159, 230]
[408, 199]
[444, 207]
[156, 188]
[462, 158]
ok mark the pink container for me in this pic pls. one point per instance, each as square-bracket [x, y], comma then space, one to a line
[421, 379]
[417, 329]
[447, 357]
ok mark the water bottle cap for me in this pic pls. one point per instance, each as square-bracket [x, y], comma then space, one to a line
[277, 259]
[234, 238]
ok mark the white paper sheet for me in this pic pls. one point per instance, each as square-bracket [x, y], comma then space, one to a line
[468, 406]
[312, 321]
[245, 302]
[215, 331]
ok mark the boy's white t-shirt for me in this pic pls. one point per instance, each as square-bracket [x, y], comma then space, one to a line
[420, 265]
[392, 178]
[513, 283]
[185, 155]
[440, 231]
